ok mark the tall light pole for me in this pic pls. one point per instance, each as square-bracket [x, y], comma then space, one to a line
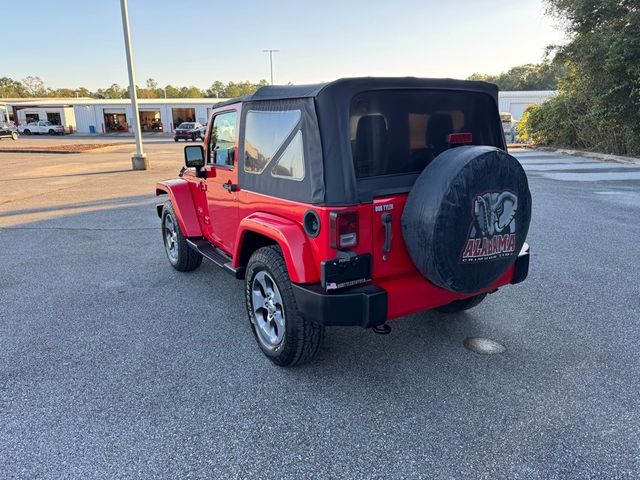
[271, 51]
[139, 159]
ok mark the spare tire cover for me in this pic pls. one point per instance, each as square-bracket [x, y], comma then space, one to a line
[467, 217]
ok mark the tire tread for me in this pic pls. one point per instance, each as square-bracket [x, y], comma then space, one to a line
[303, 338]
[188, 259]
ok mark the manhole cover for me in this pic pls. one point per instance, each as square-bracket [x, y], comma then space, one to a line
[485, 346]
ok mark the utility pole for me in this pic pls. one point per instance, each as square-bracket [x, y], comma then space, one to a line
[271, 51]
[139, 159]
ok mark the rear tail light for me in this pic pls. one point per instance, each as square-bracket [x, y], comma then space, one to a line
[344, 229]
[462, 138]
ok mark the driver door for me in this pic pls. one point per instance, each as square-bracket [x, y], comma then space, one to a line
[222, 179]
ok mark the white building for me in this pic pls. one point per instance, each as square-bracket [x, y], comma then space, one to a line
[88, 115]
[517, 102]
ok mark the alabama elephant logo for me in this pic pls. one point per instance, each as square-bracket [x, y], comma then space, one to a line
[492, 234]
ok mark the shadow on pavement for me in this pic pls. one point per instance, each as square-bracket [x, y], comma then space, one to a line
[47, 177]
[112, 202]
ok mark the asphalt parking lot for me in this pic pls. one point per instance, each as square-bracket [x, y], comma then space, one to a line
[114, 365]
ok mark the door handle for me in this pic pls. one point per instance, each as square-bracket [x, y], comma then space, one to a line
[231, 187]
[386, 221]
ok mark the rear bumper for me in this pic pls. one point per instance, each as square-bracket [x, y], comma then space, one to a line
[374, 304]
[360, 306]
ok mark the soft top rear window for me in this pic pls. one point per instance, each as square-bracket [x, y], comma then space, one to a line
[401, 131]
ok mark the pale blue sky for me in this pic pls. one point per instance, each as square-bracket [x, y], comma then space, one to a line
[79, 43]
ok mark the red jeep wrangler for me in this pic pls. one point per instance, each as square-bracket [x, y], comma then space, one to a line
[351, 203]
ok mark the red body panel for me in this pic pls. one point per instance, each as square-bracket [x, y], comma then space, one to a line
[413, 293]
[182, 199]
[222, 207]
[291, 238]
[397, 261]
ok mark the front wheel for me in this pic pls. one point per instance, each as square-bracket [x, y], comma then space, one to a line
[180, 255]
[27, 132]
[462, 305]
[282, 333]
[52, 131]
[175, 139]
[14, 135]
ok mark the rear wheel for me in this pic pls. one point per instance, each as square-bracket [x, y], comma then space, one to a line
[52, 131]
[180, 255]
[462, 305]
[14, 135]
[27, 132]
[175, 139]
[282, 333]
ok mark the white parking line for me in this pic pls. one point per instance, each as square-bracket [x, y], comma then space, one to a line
[555, 161]
[594, 177]
[576, 166]
[575, 169]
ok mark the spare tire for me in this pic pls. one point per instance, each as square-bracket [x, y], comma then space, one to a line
[467, 217]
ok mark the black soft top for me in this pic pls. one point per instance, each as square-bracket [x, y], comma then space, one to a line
[346, 85]
[330, 178]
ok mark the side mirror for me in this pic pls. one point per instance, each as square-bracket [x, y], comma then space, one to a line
[194, 156]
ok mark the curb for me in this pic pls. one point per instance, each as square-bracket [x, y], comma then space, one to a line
[598, 156]
[16, 150]
[103, 149]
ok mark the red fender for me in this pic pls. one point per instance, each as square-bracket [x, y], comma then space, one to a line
[179, 192]
[291, 239]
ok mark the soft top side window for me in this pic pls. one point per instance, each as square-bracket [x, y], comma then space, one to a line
[265, 134]
[222, 140]
[290, 165]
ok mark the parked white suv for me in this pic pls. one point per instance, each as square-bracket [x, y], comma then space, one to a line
[41, 126]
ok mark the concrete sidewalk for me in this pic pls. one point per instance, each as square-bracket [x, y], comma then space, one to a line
[595, 155]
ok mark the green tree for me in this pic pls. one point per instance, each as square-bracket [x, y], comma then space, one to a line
[598, 105]
[240, 89]
[542, 76]
[10, 88]
[172, 92]
[114, 91]
[35, 87]
[83, 92]
[63, 92]
[216, 90]
[191, 92]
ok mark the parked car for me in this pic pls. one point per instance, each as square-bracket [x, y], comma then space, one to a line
[8, 130]
[202, 131]
[508, 126]
[188, 131]
[351, 203]
[41, 126]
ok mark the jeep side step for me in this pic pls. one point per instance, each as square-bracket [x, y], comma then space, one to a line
[215, 255]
